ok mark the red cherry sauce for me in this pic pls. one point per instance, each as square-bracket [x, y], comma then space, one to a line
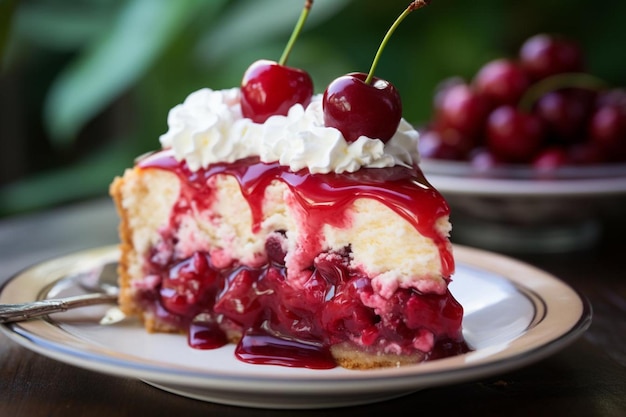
[206, 335]
[275, 323]
[260, 347]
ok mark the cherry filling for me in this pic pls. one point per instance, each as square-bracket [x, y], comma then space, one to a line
[275, 323]
[285, 326]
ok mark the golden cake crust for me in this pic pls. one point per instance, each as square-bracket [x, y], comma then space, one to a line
[128, 253]
[349, 358]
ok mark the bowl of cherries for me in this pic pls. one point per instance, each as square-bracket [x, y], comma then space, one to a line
[531, 152]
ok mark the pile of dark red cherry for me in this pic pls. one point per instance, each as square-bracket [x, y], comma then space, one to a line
[542, 109]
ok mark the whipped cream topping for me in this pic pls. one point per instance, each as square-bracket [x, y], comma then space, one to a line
[208, 127]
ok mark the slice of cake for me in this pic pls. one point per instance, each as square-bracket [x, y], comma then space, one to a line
[282, 237]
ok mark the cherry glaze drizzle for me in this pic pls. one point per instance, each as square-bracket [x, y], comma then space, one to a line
[325, 196]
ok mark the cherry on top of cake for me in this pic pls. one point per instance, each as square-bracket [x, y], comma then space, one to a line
[360, 104]
[357, 104]
[356, 123]
[271, 88]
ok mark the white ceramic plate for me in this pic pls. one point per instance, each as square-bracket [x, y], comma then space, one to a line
[515, 314]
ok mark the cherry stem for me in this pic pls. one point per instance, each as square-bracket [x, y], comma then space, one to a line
[296, 31]
[418, 4]
[558, 82]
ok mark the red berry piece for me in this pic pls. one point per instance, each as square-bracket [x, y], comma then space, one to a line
[461, 108]
[240, 301]
[544, 55]
[514, 136]
[346, 314]
[359, 109]
[501, 81]
[549, 159]
[565, 113]
[442, 89]
[190, 286]
[445, 143]
[607, 129]
[271, 88]
[360, 104]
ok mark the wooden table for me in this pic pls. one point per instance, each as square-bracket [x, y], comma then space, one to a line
[587, 378]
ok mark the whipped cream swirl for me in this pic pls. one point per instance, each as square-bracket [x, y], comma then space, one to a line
[208, 127]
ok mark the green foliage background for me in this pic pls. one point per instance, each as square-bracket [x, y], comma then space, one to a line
[86, 84]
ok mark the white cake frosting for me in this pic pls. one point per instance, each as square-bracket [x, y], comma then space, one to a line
[208, 127]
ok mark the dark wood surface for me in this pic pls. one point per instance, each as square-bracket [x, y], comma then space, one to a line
[587, 378]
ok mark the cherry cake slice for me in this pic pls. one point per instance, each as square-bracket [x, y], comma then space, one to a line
[296, 269]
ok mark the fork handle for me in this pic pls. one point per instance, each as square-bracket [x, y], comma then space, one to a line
[24, 311]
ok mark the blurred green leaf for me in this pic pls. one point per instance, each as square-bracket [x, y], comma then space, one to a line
[88, 178]
[142, 30]
[63, 25]
[7, 8]
[253, 22]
